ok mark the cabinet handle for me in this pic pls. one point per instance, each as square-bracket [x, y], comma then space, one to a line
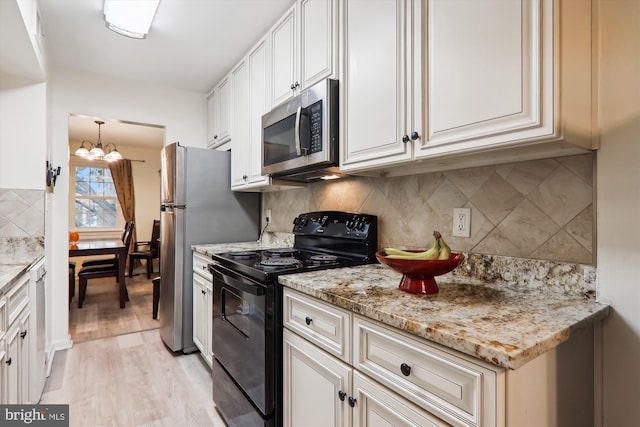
[405, 369]
[294, 85]
[405, 138]
[342, 395]
[308, 320]
[8, 361]
[352, 401]
[415, 135]
[23, 334]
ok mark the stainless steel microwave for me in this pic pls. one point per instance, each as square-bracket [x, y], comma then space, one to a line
[300, 136]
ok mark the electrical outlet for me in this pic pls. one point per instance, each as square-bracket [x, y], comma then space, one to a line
[267, 217]
[461, 222]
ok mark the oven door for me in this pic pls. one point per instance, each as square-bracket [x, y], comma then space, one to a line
[243, 337]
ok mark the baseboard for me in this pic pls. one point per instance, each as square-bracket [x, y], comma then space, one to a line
[54, 346]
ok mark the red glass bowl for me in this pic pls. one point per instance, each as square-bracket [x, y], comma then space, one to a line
[418, 275]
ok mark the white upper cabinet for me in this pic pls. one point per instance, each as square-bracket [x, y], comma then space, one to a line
[381, 82]
[219, 113]
[283, 57]
[303, 47]
[250, 80]
[501, 74]
[447, 84]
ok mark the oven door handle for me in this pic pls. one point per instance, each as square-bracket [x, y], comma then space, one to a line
[241, 285]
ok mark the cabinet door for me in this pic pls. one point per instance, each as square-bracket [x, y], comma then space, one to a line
[199, 310]
[240, 101]
[489, 73]
[313, 382]
[258, 60]
[24, 355]
[3, 375]
[208, 320]
[224, 110]
[378, 406]
[376, 82]
[12, 363]
[212, 119]
[318, 29]
[282, 39]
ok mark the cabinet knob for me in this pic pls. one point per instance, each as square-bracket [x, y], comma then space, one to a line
[215, 136]
[292, 87]
[8, 361]
[203, 292]
[245, 177]
[23, 334]
[405, 138]
[415, 135]
[342, 395]
[405, 369]
[295, 85]
[352, 401]
[308, 320]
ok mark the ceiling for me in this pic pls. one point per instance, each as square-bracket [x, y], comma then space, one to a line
[192, 44]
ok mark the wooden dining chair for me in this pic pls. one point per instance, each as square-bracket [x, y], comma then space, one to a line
[109, 261]
[147, 250]
[107, 270]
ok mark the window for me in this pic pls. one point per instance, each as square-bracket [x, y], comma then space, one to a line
[96, 203]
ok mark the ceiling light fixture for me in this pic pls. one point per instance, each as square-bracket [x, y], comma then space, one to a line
[96, 151]
[131, 18]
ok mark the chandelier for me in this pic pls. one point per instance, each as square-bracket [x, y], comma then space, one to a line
[96, 151]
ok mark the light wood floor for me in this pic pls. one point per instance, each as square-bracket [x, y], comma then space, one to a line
[101, 315]
[115, 375]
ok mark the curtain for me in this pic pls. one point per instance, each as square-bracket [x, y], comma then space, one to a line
[123, 181]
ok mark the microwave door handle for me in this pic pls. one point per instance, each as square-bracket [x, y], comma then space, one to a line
[297, 131]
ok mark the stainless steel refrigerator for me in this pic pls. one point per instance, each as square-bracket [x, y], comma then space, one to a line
[198, 207]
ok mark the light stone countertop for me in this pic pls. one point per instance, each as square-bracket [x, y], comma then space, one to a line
[16, 256]
[506, 311]
[495, 322]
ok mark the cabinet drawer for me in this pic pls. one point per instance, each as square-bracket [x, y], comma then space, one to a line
[325, 325]
[443, 383]
[17, 298]
[200, 265]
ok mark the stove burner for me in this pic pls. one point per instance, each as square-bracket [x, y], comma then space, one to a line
[284, 252]
[243, 254]
[279, 262]
[323, 259]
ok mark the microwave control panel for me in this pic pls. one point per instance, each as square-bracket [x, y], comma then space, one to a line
[315, 127]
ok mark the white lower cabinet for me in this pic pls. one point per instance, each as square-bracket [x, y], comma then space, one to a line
[202, 307]
[15, 343]
[319, 389]
[342, 369]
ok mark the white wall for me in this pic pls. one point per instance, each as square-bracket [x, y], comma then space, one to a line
[618, 204]
[72, 92]
[22, 133]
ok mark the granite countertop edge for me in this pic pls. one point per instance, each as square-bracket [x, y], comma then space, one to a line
[502, 325]
[505, 325]
[11, 272]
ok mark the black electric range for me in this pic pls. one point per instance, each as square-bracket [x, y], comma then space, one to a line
[322, 240]
[247, 309]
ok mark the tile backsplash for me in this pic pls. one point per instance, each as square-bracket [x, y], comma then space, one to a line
[541, 209]
[21, 213]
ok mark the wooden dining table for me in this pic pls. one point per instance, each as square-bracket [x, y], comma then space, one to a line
[104, 247]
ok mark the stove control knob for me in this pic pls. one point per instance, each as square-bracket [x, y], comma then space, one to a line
[324, 221]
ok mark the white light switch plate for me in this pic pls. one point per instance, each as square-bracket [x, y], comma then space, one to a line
[461, 222]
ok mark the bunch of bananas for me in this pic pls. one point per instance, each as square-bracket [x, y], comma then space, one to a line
[439, 250]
